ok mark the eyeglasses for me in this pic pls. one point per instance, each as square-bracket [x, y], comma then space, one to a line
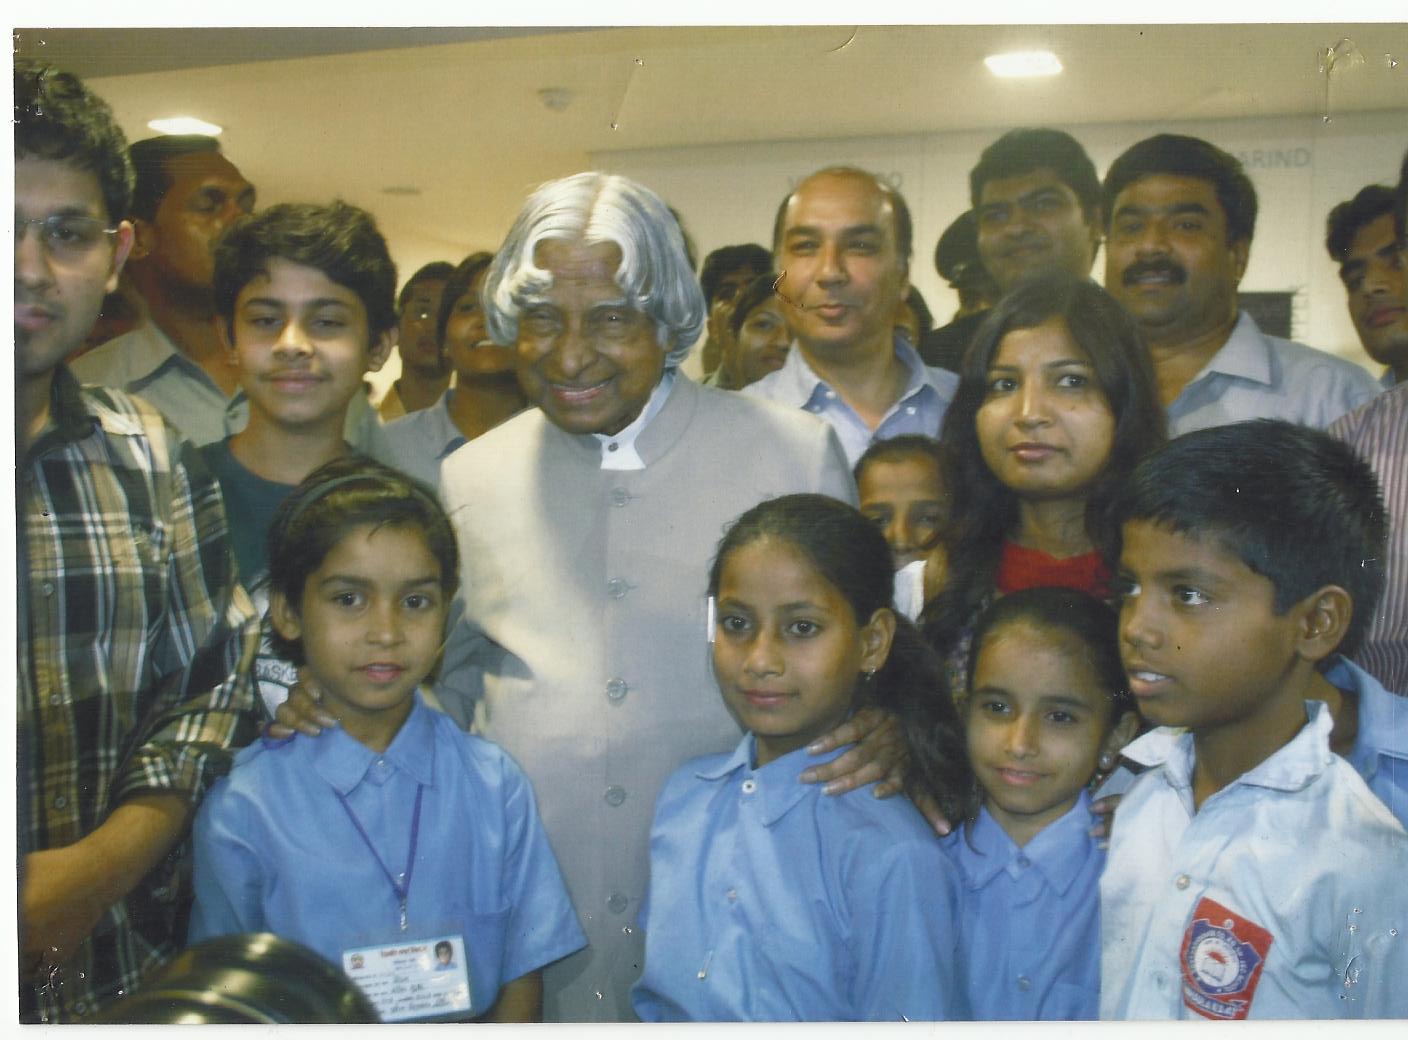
[66, 237]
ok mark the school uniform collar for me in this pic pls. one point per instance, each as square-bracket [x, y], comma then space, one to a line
[1383, 719]
[776, 786]
[618, 450]
[1058, 853]
[343, 762]
[1289, 768]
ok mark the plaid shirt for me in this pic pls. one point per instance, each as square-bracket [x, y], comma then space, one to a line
[134, 671]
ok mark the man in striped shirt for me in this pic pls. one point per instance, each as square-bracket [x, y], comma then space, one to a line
[135, 639]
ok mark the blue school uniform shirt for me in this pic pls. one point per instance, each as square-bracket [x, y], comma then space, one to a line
[771, 901]
[1380, 752]
[1029, 918]
[276, 851]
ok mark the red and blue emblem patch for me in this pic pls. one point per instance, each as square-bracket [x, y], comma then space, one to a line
[1222, 957]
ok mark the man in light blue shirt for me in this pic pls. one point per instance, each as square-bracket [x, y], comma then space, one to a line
[1179, 216]
[842, 243]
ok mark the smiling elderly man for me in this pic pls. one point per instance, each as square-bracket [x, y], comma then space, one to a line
[586, 527]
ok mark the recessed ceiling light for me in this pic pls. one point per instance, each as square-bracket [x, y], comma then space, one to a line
[1023, 63]
[185, 125]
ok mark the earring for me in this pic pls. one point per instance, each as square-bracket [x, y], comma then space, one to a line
[1107, 761]
[869, 674]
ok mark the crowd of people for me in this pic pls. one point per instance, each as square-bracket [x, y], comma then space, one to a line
[1047, 664]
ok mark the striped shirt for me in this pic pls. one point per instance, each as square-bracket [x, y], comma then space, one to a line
[1379, 433]
[136, 644]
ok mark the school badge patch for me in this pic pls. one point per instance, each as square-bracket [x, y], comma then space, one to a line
[1222, 957]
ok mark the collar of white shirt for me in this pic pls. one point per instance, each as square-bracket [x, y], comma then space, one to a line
[618, 451]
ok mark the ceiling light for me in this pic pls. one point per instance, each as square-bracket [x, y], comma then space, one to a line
[185, 125]
[1023, 63]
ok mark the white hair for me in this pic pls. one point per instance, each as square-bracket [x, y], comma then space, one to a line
[655, 273]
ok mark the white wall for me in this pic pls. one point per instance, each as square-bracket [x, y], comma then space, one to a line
[1301, 166]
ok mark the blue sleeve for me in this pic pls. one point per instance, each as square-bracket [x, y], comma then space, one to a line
[229, 873]
[904, 921]
[542, 924]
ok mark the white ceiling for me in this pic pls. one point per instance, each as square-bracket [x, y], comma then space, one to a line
[455, 113]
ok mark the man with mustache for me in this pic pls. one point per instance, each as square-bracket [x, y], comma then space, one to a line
[1360, 238]
[1179, 216]
[842, 243]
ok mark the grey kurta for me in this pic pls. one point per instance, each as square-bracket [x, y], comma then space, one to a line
[583, 648]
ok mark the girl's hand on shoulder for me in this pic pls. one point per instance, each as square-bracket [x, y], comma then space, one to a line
[1103, 809]
[303, 712]
[878, 755]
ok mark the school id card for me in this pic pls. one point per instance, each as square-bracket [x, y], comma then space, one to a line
[415, 980]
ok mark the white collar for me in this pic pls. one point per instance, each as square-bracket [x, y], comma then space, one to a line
[618, 451]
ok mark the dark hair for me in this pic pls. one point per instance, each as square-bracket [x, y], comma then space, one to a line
[336, 497]
[1400, 206]
[1027, 149]
[444, 944]
[922, 315]
[58, 118]
[755, 293]
[905, 446]
[150, 159]
[721, 263]
[1181, 156]
[984, 511]
[904, 224]
[1348, 218]
[1292, 503]
[456, 285]
[851, 555]
[435, 271]
[340, 240]
[1072, 611]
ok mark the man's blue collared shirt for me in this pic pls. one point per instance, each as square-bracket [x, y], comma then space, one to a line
[276, 851]
[920, 408]
[1380, 752]
[770, 901]
[1030, 918]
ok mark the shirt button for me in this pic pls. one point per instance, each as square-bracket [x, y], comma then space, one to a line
[617, 903]
[619, 496]
[55, 699]
[732, 895]
[910, 410]
[616, 689]
[616, 588]
[1023, 862]
[831, 395]
[1023, 983]
[612, 446]
[60, 802]
[749, 786]
[615, 794]
[48, 588]
[1183, 881]
[81, 1008]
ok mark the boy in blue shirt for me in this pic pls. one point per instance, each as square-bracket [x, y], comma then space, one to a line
[1251, 873]
[395, 837]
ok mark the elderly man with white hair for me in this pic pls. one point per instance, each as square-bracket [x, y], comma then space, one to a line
[586, 527]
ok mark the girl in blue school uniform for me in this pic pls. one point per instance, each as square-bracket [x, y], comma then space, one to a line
[1048, 710]
[770, 900]
[394, 837]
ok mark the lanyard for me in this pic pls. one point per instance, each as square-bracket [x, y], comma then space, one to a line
[403, 887]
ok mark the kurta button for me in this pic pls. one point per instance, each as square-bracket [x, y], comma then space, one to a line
[616, 588]
[1183, 881]
[619, 496]
[1023, 983]
[617, 903]
[48, 588]
[615, 794]
[60, 802]
[55, 699]
[749, 786]
[616, 689]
